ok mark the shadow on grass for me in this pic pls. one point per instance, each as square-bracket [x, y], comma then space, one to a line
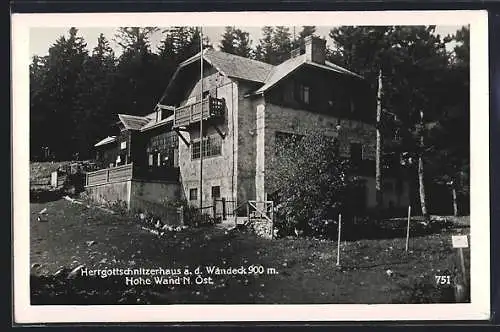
[45, 195]
[388, 229]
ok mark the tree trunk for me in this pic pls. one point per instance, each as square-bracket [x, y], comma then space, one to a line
[455, 205]
[421, 182]
[378, 152]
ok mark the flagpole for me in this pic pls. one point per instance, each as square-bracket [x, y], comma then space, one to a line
[201, 120]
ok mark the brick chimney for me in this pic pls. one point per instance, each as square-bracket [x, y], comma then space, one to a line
[315, 49]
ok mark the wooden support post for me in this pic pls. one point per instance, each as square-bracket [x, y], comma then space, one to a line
[214, 208]
[462, 265]
[182, 137]
[222, 135]
[339, 230]
[272, 220]
[408, 227]
[248, 211]
[461, 289]
[224, 214]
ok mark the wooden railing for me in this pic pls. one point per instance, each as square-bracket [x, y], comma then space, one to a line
[129, 172]
[190, 114]
[113, 174]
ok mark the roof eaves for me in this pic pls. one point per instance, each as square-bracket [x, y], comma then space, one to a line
[331, 66]
[264, 88]
[151, 125]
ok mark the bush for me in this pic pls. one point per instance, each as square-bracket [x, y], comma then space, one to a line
[119, 207]
[74, 183]
[192, 214]
[311, 184]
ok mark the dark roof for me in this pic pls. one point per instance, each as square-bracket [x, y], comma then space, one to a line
[256, 71]
[281, 71]
[133, 122]
[286, 68]
[234, 65]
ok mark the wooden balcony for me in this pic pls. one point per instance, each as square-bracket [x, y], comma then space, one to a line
[131, 172]
[185, 116]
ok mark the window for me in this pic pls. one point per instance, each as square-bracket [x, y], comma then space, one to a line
[212, 146]
[356, 152]
[303, 93]
[216, 192]
[160, 149]
[193, 194]
[206, 94]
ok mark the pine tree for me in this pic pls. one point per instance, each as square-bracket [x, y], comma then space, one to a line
[236, 41]
[227, 43]
[93, 105]
[264, 50]
[414, 63]
[137, 85]
[307, 30]
[282, 44]
[63, 66]
[38, 109]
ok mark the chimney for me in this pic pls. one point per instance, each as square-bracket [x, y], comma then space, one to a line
[315, 49]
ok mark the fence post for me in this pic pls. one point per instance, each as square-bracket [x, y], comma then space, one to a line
[180, 212]
[339, 230]
[408, 228]
[224, 216]
[53, 179]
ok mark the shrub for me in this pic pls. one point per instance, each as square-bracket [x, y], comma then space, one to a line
[311, 183]
[74, 183]
[118, 206]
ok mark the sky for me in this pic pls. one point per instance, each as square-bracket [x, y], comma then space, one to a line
[41, 39]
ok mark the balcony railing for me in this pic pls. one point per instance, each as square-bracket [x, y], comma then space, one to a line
[190, 114]
[131, 172]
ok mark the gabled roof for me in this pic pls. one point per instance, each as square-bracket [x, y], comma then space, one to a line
[281, 71]
[234, 65]
[133, 122]
[107, 140]
[243, 68]
[286, 68]
[153, 123]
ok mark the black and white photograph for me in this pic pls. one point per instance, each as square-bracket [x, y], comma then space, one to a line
[254, 162]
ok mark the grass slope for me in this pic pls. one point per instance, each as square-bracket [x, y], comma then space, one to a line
[306, 267]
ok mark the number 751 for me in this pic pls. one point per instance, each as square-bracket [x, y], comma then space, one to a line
[443, 280]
